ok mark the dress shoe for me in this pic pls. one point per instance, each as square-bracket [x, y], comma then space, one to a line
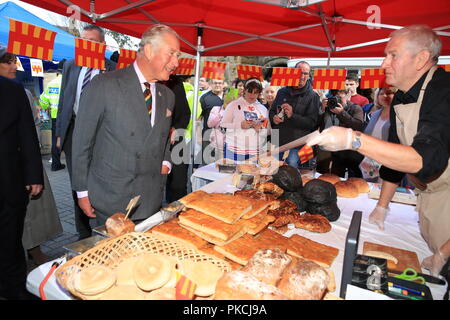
[58, 168]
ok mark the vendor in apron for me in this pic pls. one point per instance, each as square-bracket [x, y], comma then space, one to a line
[419, 137]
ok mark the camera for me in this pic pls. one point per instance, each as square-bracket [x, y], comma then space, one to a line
[333, 102]
[281, 114]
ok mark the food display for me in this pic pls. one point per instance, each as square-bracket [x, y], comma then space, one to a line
[321, 198]
[346, 189]
[360, 184]
[329, 177]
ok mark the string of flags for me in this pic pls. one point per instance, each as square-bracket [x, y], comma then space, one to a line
[35, 42]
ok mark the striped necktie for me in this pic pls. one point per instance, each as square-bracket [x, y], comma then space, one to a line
[87, 78]
[148, 97]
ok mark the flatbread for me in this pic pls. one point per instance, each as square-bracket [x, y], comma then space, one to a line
[225, 207]
[152, 271]
[94, 280]
[124, 272]
[209, 225]
[259, 222]
[173, 231]
[312, 222]
[239, 250]
[311, 250]
[199, 194]
[257, 207]
[213, 239]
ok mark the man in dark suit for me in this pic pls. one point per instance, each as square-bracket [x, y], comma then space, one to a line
[121, 138]
[20, 177]
[74, 82]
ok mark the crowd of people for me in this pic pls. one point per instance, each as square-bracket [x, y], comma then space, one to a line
[123, 133]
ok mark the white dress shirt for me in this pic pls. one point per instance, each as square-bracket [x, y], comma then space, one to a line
[80, 84]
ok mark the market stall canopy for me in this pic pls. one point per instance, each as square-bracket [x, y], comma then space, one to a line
[330, 28]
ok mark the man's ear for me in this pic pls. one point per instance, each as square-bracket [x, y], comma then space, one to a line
[148, 50]
[422, 59]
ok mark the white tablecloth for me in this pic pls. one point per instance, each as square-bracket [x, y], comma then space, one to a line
[206, 174]
[401, 231]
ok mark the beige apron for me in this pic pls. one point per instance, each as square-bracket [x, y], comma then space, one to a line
[433, 203]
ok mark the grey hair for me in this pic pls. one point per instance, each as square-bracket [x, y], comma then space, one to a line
[421, 37]
[302, 62]
[153, 34]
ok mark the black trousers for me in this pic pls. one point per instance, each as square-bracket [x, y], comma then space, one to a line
[13, 265]
[56, 153]
[176, 186]
[81, 220]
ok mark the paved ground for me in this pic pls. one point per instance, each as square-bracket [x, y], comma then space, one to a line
[60, 184]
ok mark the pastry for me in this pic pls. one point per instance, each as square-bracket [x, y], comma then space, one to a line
[312, 222]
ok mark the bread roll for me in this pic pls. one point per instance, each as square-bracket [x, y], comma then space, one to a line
[331, 178]
[123, 293]
[240, 285]
[117, 225]
[204, 274]
[346, 189]
[304, 280]
[360, 184]
[153, 271]
[124, 272]
[162, 294]
[267, 265]
[94, 280]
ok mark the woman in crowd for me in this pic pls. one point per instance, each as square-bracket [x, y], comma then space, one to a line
[269, 94]
[377, 127]
[217, 136]
[42, 220]
[246, 123]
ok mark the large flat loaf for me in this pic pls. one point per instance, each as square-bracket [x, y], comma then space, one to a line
[258, 222]
[311, 250]
[213, 239]
[239, 250]
[225, 207]
[257, 207]
[173, 231]
[209, 225]
[199, 194]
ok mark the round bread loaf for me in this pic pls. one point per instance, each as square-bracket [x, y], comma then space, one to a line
[267, 265]
[162, 294]
[117, 225]
[360, 183]
[204, 274]
[331, 178]
[304, 280]
[346, 189]
[124, 272]
[152, 271]
[319, 192]
[329, 210]
[123, 293]
[241, 285]
[94, 280]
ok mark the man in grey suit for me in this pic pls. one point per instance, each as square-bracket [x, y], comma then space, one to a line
[74, 81]
[121, 143]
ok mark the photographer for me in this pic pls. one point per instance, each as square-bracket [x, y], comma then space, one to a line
[339, 111]
[295, 111]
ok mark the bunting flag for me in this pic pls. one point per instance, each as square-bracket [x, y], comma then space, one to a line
[185, 66]
[329, 78]
[214, 70]
[306, 153]
[285, 77]
[126, 58]
[185, 288]
[37, 68]
[29, 40]
[446, 67]
[89, 54]
[373, 78]
[249, 71]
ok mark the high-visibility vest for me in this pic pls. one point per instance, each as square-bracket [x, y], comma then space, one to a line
[189, 89]
[50, 97]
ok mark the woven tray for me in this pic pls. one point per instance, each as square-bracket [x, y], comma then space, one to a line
[111, 252]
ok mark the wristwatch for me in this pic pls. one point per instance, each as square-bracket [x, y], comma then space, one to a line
[356, 143]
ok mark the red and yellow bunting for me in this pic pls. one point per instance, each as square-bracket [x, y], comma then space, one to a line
[214, 70]
[305, 154]
[126, 58]
[373, 78]
[185, 288]
[286, 77]
[329, 78]
[90, 54]
[446, 67]
[185, 66]
[29, 40]
[245, 72]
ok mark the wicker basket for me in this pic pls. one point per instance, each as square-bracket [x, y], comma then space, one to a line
[112, 252]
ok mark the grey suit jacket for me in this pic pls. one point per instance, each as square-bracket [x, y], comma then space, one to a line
[116, 153]
[68, 93]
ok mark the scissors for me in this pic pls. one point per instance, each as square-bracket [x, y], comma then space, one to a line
[411, 275]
